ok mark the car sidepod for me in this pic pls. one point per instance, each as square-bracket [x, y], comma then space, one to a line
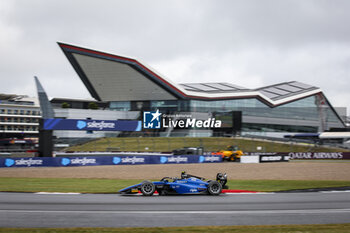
[189, 186]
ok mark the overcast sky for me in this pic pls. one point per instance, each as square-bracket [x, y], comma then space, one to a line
[251, 43]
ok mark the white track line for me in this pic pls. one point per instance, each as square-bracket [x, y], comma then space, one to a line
[309, 211]
[49, 193]
[246, 193]
[336, 191]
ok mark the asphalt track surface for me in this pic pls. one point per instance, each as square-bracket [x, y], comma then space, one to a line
[112, 210]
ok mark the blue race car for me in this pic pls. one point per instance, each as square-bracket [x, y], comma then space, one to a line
[188, 184]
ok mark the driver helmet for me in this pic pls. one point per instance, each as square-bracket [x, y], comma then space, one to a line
[221, 176]
[183, 175]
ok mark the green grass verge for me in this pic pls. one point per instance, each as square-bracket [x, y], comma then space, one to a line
[209, 144]
[112, 186]
[329, 228]
[63, 185]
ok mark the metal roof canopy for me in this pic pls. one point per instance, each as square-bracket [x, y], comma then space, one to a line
[114, 78]
[111, 77]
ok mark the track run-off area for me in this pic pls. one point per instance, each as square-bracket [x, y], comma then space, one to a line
[114, 210]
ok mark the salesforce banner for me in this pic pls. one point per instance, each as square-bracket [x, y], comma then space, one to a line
[94, 125]
[107, 160]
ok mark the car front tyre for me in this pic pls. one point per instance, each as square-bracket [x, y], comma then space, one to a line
[214, 188]
[147, 188]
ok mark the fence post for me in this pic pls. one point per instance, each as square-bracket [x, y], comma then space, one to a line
[109, 143]
[138, 144]
[169, 144]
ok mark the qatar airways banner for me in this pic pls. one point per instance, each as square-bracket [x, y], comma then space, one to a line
[319, 155]
[93, 125]
[307, 155]
[107, 160]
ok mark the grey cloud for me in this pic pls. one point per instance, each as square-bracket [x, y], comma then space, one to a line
[250, 43]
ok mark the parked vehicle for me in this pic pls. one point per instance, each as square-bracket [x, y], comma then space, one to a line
[232, 153]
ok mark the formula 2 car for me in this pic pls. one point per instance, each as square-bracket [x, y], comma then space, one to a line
[187, 184]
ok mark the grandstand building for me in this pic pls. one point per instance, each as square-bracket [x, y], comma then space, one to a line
[126, 84]
[19, 116]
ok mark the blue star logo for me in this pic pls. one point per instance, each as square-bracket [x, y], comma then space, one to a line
[151, 120]
[156, 115]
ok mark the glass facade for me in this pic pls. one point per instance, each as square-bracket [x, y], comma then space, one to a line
[302, 110]
[170, 105]
[120, 106]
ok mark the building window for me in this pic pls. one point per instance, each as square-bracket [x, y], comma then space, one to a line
[165, 105]
[120, 105]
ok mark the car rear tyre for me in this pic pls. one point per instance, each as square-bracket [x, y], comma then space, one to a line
[214, 188]
[147, 188]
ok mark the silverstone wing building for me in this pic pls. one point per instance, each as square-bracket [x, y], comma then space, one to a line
[127, 84]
